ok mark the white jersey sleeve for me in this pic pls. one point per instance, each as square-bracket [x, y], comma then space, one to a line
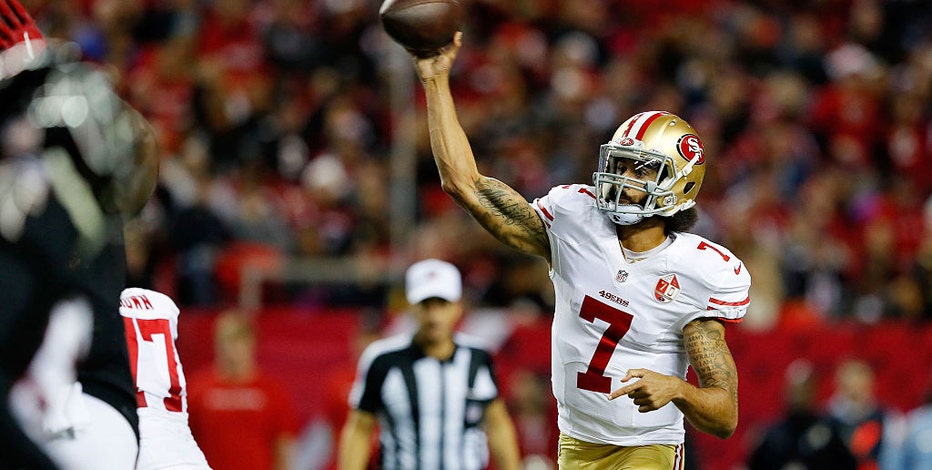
[150, 319]
[723, 276]
[151, 322]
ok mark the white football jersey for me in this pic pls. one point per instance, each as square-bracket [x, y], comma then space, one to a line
[616, 312]
[151, 322]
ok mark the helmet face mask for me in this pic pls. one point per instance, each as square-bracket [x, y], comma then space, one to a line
[624, 172]
[654, 165]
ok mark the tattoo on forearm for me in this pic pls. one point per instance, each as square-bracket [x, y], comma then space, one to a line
[506, 207]
[712, 360]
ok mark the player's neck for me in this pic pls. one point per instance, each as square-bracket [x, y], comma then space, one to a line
[642, 236]
[441, 350]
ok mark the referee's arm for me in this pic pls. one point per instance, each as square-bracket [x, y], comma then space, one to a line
[355, 439]
[503, 442]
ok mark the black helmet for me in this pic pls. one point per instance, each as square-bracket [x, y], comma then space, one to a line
[54, 102]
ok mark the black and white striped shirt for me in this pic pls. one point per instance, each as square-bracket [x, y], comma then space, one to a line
[428, 410]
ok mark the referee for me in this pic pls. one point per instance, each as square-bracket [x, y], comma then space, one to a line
[433, 395]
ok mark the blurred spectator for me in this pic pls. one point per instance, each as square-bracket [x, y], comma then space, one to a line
[233, 82]
[241, 417]
[915, 452]
[198, 233]
[803, 438]
[867, 428]
[921, 274]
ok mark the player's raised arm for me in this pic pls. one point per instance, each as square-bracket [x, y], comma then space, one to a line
[500, 209]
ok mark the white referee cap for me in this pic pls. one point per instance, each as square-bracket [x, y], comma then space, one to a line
[433, 278]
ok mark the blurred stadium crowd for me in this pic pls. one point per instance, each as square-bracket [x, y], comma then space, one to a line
[275, 128]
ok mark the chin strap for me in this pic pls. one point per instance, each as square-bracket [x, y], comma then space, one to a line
[626, 218]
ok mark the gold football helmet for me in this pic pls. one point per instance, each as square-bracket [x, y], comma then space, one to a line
[655, 152]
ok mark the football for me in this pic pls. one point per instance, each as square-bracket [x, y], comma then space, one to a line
[422, 26]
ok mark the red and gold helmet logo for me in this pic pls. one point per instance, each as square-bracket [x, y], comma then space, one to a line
[690, 147]
[627, 142]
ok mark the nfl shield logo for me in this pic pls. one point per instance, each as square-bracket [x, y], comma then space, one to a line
[622, 276]
[667, 288]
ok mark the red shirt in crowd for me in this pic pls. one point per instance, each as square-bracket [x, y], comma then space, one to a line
[237, 425]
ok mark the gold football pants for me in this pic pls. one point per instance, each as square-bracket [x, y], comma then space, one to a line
[578, 455]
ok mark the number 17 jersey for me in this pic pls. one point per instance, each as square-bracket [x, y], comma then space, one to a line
[615, 312]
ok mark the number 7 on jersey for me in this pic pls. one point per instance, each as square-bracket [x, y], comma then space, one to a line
[594, 379]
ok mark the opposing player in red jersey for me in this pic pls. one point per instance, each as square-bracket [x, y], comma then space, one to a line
[638, 299]
[165, 440]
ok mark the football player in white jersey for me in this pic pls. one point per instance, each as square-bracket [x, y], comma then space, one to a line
[638, 299]
[165, 441]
